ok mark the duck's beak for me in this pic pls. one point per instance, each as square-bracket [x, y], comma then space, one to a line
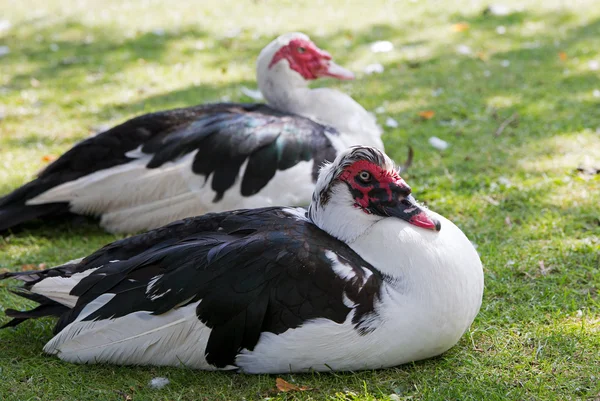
[327, 68]
[409, 210]
[333, 70]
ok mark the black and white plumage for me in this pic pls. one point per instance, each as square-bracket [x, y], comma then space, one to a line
[160, 167]
[273, 289]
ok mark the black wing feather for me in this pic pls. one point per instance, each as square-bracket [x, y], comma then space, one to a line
[224, 135]
[255, 271]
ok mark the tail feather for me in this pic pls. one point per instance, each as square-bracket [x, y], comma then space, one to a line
[46, 307]
[34, 276]
[53, 297]
[14, 211]
[12, 216]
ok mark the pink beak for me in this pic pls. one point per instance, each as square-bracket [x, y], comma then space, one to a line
[336, 71]
[330, 69]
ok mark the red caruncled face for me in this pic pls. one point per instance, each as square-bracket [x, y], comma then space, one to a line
[306, 59]
[370, 184]
[383, 192]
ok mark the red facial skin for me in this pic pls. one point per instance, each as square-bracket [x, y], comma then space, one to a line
[311, 62]
[380, 178]
[386, 194]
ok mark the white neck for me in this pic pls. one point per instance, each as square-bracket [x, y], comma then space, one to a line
[339, 218]
[286, 90]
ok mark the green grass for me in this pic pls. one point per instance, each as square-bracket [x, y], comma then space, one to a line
[76, 65]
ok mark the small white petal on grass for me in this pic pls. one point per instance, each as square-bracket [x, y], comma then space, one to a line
[505, 181]
[436, 92]
[596, 93]
[226, 98]
[498, 9]
[158, 382]
[505, 63]
[438, 143]
[4, 50]
[54, 47]
[382, 46]
[390, 122]
[463, 49]
[199, 45]
[394, 397]
[233, 33]
[252, 93]
[594, 65]
[487, 73]
[579, 313]
[158, 32]
[4, 25]
[501, 30]
[380, 109]
[374, 69]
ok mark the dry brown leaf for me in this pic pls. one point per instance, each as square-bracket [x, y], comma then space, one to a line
[4, 270]
[284, 386]
[32, 266]
[427, 114]
[48, 158]
[562, 56]
[482, 56]
[460, 27]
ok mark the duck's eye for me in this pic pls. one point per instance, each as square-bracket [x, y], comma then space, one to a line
[364, 176]
[301, 50]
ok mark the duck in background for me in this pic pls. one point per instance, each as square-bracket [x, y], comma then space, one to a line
[168, 165]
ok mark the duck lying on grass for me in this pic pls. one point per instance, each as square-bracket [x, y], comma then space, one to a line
[164, 166]
[364, 279]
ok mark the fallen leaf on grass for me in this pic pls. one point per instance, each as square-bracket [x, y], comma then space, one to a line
[427, 114]
[460, 27]
[285, 387]
[482, 56]
[562, 56]
[48, 158]
[4, 270]
[32, 266]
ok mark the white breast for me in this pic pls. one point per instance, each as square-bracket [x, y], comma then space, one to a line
[432, 297]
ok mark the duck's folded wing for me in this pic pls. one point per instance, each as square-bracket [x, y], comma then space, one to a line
[263, 138]
[259, 271]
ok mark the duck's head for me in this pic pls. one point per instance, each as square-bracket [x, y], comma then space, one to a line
[293, 59]
[361, 187]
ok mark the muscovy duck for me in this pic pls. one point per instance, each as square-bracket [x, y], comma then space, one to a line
[365, 278]
[164, 166]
